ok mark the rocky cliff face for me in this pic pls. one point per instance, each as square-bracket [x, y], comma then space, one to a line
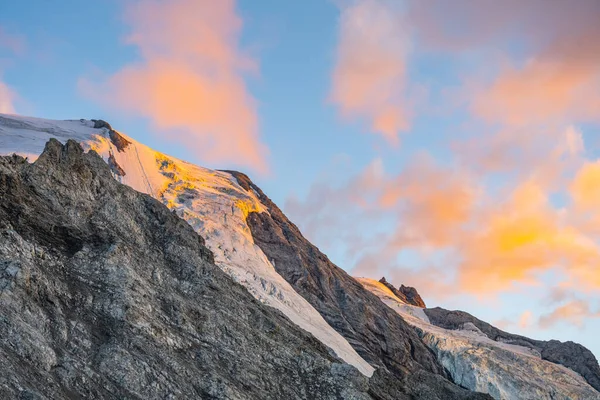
[105, 293]
[407, 294]
[377, 333]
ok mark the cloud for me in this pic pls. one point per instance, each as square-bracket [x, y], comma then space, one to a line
[518, 238]
[189, 81]
[15, 46]
[460, 227]
[526, 319]
[370, 76]
[555, 78]
[7, 97]
[544, 90]
[432, 200]
[551, 77]
[585, 187]
[574, 312]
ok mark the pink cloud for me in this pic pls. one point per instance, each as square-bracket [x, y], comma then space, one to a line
[7, 97]
[557, 79]
[574, 312]
[526, 319]
[369, 78]
[189, 82]
[15, 44]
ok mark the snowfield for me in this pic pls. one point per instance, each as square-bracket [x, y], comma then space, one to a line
[212, 202]
[476, 362]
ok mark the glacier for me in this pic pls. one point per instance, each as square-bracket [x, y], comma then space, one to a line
[505, 371]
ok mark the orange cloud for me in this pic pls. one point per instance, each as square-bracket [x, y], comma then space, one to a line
[560, 81]
[493, 238]
[189, 82]
[525, 319]
[369, 78]
[585, 188]
[542, 91]
[554, 75]
[523, 236]
[574, 312]
[434, 201]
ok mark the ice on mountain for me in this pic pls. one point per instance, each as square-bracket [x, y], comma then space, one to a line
[212, 202]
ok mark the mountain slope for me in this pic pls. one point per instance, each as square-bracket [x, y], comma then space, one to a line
[211, 201]
[255, 244]
[377, 333]
[105, 293]
[504, 366]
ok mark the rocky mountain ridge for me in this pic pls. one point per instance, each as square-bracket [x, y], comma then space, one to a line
[393, 345]
[407, 294]
[107, 294]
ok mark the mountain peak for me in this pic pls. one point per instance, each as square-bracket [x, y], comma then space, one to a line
[407, 294]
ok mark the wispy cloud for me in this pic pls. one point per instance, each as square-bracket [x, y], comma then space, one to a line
[370, 74]
[491, 238]
[189, 81]
[574, 312]
[14, 45]
[7, 97]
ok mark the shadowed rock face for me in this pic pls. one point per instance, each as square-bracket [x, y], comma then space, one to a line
[106, 294]
[117, 140]
[569, 354]
[407, 294]
[376, 332]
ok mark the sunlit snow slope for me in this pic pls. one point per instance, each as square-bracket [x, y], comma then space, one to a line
[211, 201]
[479, 363]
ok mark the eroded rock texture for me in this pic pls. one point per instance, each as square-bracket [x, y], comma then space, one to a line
[407, 294]
[376, 332]
[106, 294]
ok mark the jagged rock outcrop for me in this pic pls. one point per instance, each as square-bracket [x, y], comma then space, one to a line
[117, 139]
[106, 294]
[377, 333]
[407, 294]
[569, 354]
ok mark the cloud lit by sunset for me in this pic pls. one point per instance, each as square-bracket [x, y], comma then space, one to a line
[189, 80]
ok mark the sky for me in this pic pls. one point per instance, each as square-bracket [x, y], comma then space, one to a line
[450, 148]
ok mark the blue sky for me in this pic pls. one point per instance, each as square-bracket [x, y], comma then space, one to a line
[400, 137]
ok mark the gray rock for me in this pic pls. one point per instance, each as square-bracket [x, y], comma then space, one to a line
[407, 294]
[376, 332]
[106, 294]
[114, 166]
[117, 140]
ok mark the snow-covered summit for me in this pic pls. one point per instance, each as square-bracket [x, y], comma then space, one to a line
[211, 201]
